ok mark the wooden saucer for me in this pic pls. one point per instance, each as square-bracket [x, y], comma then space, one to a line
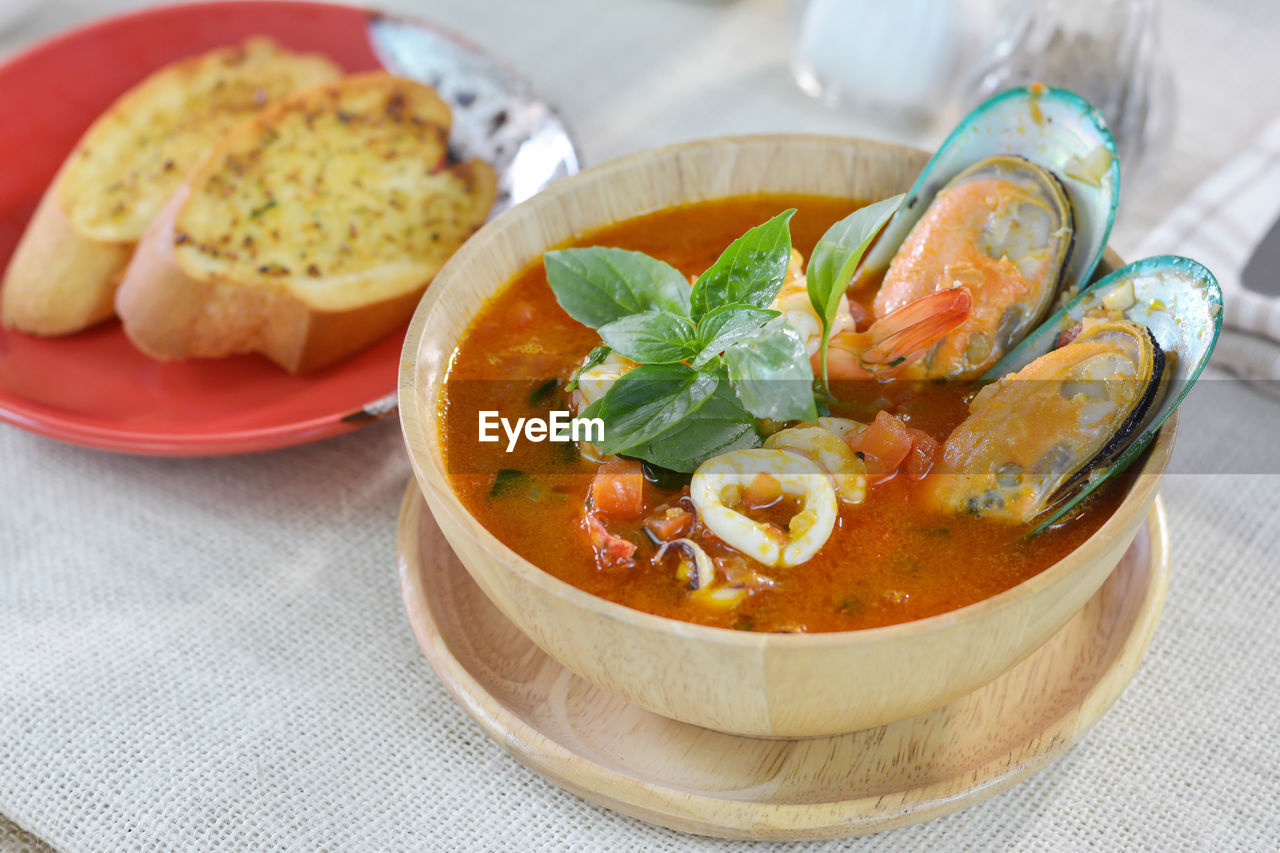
[687, 778]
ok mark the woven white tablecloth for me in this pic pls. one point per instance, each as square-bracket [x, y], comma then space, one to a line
[212, 654]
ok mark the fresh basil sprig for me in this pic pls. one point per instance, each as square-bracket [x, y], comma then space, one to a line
[648, 400]
[721, 424]
[597, 286]
[722, 327]
[751, 271]
[835, 259]
[596, 356]
[652, 337]
[771, 374]
[713, 358]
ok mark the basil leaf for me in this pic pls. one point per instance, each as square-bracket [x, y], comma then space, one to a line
[726, 324]
[507, 481]
[720, 425]
[648, 400]
[836, 257]
[596, 356]
[598, 285]
[592, 410]
[665, 478]
[771, 374]
[652, 337]
[540, 394]
[750, 271]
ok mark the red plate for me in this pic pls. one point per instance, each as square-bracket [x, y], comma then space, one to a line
[94, 388]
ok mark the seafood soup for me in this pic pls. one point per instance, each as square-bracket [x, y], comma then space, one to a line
[780, 450]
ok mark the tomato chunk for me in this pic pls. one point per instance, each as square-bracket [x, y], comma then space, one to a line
[617, 492]
[764, 490]
[923, 451]
[884, 445]
[613, 553]
[670, 523]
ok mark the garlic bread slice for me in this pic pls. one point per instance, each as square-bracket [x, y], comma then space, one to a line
[310, 232]
[63, 274]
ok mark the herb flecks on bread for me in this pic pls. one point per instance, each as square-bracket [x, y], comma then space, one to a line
[63, 275]
[310, 231]
[136, 154]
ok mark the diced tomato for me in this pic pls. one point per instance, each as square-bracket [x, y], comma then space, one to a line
[613, 553]
[923, 450]
[764, 490]
[617, 492]
[883, 445]
[670, 523]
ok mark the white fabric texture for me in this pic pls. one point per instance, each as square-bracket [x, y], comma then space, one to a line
[212, 655]
[1219, 225]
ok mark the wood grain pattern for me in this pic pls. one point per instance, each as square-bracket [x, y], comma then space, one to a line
[764, 685]
[689, 778]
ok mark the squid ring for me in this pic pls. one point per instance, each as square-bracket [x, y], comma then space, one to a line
[717, 479]
[821, 445]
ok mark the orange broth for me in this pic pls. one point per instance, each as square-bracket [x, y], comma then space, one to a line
[890, 559]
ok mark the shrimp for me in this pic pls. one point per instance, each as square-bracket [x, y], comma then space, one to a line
[593, 383]
[793, 301]
[884, 350]
[716, 488]
[895, 343]
[1002, 229]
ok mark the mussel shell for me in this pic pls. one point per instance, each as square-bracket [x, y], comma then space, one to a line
[1178, 301]
[1053, 128]
[1036, 434]
[1154, 388]
[1026, 221]
[1175, 297]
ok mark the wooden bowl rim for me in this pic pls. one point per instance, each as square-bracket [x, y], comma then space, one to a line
[433, 478]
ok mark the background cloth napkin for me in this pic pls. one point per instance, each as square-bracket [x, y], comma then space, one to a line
[1221, 224]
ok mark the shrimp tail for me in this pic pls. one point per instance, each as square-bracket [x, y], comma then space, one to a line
[904, 336]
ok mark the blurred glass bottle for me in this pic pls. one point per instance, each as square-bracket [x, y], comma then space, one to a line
[891, 59]
[1107, 51]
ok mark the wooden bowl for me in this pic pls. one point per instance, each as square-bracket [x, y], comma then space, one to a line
[766, 685]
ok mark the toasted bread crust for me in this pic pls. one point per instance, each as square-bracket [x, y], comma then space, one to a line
[171, 315]
[59, 281]
[245, 258]
[63, 276]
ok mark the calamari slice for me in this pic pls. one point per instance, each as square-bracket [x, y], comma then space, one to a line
[844, 428]
[698, 572]
[717, 486]
[826, 448]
